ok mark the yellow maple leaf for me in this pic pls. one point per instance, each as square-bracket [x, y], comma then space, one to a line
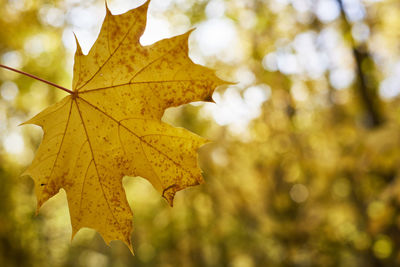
[110, 126]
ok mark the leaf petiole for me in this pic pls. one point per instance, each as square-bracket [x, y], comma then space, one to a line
[37, 78]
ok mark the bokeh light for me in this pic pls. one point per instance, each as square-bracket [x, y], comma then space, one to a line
[303, 167]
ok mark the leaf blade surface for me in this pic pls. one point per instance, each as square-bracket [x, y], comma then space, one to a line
[111, 126]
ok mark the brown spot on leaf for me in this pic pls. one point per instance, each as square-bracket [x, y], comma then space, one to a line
[111, 125]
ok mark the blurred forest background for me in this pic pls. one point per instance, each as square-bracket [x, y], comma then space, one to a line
[304, 167]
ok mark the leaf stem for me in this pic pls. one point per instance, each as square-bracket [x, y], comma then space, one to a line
[37, 78]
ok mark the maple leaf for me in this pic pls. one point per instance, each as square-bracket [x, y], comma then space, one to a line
[110, 126]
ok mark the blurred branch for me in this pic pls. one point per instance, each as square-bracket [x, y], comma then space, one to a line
[367, 92]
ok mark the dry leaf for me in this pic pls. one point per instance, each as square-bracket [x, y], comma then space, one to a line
[111, 126]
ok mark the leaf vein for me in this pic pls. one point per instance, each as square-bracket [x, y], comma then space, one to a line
[105, 62]
[61, 144]
[94, 162]
[141, 140]
[143, 82]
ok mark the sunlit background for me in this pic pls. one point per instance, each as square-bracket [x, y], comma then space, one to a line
[304, 167]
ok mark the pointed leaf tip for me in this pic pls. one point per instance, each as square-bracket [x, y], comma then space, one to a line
[90, 121]
[24, 123]
[78, 46]
[209, 99]
[191, 30]
[131, 249]
[146, 4]
[107, 9]
[128, 243]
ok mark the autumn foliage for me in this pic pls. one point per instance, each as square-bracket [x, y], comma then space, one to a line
[303, 164]
[109, 126]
